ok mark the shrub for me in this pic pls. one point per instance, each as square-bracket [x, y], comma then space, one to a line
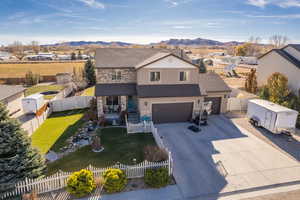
[115, 180]
[157, 177]
[81, 183]
[155, 154]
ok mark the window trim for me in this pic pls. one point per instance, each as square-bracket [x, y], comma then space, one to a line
[187, 76]
[155, 80]
[116, 75]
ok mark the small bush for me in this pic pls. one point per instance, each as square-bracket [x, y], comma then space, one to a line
[155, 154]
[115, 180]
[157, 177]
[81, 183]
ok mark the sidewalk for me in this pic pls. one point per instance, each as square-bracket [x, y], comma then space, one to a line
[167, 193]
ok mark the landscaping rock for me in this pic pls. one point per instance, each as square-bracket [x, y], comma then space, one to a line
[51, 156]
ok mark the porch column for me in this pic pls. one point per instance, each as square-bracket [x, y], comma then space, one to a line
[100, 107]
[123, 103]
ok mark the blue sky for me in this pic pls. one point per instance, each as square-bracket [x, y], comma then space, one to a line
[143, 21]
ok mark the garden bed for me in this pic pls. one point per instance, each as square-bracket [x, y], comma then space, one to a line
[118, 147]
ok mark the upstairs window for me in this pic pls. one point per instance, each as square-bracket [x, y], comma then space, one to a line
[116, 75]
[183, 76]
[154, 76]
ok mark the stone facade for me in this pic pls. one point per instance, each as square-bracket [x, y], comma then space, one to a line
[100, 107]
[105, 76]
[123, 103]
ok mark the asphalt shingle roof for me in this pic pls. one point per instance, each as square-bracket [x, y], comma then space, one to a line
[115, 89]
[9, 90]
[178, 90]
[295, 46]
[130, 57]
[212, 82]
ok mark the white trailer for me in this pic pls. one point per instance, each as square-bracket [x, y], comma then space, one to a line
[271, 116]
[33, 103]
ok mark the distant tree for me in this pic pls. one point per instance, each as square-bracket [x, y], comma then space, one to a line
[73, 56]
[278, 41]
[277, 85]
[17, 48]
[250, 48]
[35, 46]
[31, 78]
[202, 66]
[242, 50]
[251, 82]
[89, 72]
[18, 160]
[79, 57]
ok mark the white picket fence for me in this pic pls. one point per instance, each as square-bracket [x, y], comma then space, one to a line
[59, 180]
[71, 103]
[142, 127]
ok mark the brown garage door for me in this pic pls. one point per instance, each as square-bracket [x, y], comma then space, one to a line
[216, 104]
[172, 112]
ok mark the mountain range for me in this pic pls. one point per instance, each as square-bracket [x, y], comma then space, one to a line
[175, 42]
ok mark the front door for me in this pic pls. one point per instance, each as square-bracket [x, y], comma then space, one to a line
[132, 104]
[112, 103]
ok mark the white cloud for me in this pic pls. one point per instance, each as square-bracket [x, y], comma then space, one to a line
[181, 27]
[289, 3]
[258, 3]
[175, 3]
[93, 3]
[291, 16]
[280, 3]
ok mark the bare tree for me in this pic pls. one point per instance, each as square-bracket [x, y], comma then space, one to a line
[17, 48]
[35, 46]
[278, 41]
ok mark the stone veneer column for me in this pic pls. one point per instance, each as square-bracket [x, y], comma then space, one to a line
[100, 107]
[123, 103]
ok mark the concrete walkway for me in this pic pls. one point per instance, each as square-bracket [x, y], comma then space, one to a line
[168, 193]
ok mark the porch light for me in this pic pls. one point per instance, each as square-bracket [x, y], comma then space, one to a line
[146, 103]
[199, 101]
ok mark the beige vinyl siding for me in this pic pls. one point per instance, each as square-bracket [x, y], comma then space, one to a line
[167, 76]
[274, 62]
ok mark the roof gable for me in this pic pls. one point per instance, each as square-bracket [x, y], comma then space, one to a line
[166, 60]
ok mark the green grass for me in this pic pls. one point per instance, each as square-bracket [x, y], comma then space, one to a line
[56, 129]
[43, 88]
[89, 91]
[118, 147]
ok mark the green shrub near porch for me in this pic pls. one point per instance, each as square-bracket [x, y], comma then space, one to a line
[115, 180]
[157, 177]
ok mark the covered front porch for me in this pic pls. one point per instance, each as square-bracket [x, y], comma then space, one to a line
[114, 100]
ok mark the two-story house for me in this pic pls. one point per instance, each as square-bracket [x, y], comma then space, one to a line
[285, 61]
[159, 84]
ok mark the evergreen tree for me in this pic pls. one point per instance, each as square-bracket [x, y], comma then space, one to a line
[79, 57]
[18, 160]
[251, 82]
[202, 66]
[73, 56]
[89, 72]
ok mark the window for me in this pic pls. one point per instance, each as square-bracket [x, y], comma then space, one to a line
[154, 76]
[112, 100]
[116, 75]
[183, 76]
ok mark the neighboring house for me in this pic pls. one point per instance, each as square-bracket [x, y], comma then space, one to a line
[11, 96]
[285, 61]
[159, 84]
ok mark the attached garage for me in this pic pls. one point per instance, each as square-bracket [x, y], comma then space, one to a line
[172, 112]
[216, 104]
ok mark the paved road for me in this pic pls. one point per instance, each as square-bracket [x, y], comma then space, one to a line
[224, 158]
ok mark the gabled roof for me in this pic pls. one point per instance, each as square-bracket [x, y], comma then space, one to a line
[285, 54]
[131, 57]
[212, 82]
[295, 46]
[10, 90]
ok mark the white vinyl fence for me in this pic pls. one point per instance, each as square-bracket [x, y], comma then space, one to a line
[237, 104]
[31, 122]
[142, 127]
[59, 180]
[71, 103]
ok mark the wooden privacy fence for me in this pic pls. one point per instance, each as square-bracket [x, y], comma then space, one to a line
[59, 180]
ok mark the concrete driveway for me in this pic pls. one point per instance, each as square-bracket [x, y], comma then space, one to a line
[224, 158]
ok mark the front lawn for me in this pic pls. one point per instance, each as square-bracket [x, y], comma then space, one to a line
[118, 147]
[89, 91]
[43, 88]
[56, 129]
